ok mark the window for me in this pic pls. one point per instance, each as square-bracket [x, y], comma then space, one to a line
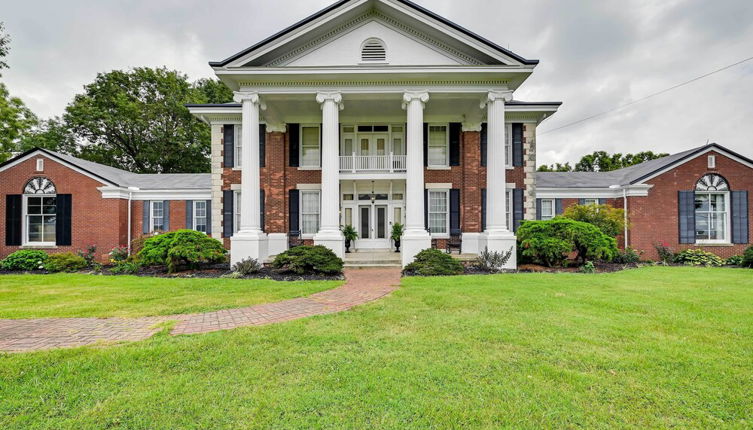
[158, 216]
[237, 212]
[711, 209]
[439, 144]
[712, 161]
[547, 209]
[508, 209]
[309, 212]
[439, 218]
[373, 50]
[310, 153]
[590, 202]
[238, 146]
[200, 215]
[40, 208]
[508, 145]
[40, 164]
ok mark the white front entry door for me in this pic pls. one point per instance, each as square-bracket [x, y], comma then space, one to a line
[373, 231]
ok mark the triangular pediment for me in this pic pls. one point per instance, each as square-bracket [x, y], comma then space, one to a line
[412, 36]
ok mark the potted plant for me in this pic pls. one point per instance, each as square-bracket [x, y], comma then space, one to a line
[397, 233]
[350, 235]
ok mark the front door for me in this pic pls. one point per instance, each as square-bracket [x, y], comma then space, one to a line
[373, 227]
[372, 148]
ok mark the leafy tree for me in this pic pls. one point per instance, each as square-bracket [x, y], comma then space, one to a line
[550, 242]
[50, 134]
[4, 47]
[16, 121]
[556, 167]
[214, 91]
[601, 161]
[136, 120]
[610, 220]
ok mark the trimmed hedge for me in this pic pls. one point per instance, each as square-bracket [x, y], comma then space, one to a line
[433, 262]
[182, 247]
[748, 258]
[25, 259]
[309, 260]
[550, 242]
[65, 262]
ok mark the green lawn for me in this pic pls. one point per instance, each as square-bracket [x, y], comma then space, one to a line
[648, 348]
[42, 296]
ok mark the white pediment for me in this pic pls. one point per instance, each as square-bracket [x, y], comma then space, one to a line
[402, 49]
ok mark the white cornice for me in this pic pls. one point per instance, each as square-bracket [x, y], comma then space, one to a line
[124, 193]
[604, 193]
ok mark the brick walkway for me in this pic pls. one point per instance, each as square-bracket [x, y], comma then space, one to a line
[362, 286]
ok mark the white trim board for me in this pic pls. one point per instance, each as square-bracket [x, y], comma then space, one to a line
[57, 160]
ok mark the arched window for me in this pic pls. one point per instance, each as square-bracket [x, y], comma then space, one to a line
[712, 209]
[40, 212]
[373, 51]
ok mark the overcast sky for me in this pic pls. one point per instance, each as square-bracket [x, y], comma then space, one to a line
[595, 55]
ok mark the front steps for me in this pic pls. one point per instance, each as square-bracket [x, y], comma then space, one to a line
[372, 258]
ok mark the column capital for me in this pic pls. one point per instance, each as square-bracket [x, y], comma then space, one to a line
[249, 96]
[494, 96]
[333, 96]
[410, 96]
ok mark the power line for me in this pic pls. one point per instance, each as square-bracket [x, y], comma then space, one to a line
[606, 112]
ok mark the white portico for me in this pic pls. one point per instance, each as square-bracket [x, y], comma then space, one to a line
[379, 106]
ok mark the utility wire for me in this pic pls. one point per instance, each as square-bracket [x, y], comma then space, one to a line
[606, 112]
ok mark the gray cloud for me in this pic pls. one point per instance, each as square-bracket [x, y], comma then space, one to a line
[595, 55]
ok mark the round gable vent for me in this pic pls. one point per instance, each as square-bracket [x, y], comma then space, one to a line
[373, 50]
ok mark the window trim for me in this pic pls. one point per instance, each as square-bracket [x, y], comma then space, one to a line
[151, 215]
[509, 209]
[237, 146]
[236, 211]
[301, 159]
[25, 224]
[593, 201]
[554, 210]
[446, 192]
[196, 217]
[509, 152]
[727, 219]
[446, 164]
[318, 192]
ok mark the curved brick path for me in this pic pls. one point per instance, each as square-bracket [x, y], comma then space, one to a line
[362, 286]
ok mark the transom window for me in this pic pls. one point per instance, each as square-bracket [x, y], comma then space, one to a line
[547, 209]
[200, 215]
[373, 50]
[439, 219]
[158, 215]
[310, 152]
[309, 212]
[40, 211]
[712, 209]
[439, 146]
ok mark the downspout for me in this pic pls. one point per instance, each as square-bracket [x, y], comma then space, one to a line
[625, 210]
[130, 226]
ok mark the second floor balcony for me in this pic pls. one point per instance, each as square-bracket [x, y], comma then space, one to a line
[389, 163]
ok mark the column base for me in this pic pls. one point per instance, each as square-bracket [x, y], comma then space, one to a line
[501, 241]
[248, 244]
[472, 243]
[332, 239]
[278, 243]
[412, 243]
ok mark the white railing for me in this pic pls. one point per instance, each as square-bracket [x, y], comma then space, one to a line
[372, 163]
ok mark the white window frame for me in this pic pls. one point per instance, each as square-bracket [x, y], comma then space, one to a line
[509, 209]
[318, 165]
[508, 146]
[590, 201]
[446, 163]
[26, 215]
[196, 218]
[151, 214]
[318, 213]
[545, 217]
[237, 146]
[727, 218]
[711, 161]
[236, 211]
[446, 193]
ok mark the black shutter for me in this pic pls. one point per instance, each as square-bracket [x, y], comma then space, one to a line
[426, 209]
[740, 232]
[455, 211]
[538, 209]
[517, 208]
[145, 221]
[294, 133]
[686, 216]
[262, 145]
[426, 144]
[189, 214]
[484, 143]
[483, 209]
[602, 201]
[13, 219]
[261, 209]
[229, 145]
[294, 212]
[63, 220]
[209, 217]
[227, 213]
[321, 143]
[455, 130]
[558, 209]
[166, 215]
[517, 145]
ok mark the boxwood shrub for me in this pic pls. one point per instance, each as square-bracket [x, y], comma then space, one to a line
[550, 242]
[433, 262]
[747, 260]
[181, 247]
[65, 262]
[309, 260]
[25, 259]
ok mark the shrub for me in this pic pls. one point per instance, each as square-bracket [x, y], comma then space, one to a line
[550, 242]
[666, 255]
[309, 260]
[433, 262]
[119, 253]
[735, 260]
[25, 259]
[492, 261]
[186, 247]
[65, 262]
[588, 267]
[89, 255]
[747, 258]
[627, 256]
[125, 268]
[247, 266]
[610, 220]
[698, 257]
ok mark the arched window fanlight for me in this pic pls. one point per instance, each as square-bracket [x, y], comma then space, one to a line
[40, 185]
[373, 50]
[712, 182]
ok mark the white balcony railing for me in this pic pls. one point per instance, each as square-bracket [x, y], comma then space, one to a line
[372, 163]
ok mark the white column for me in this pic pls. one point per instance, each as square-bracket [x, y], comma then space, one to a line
[415, 238]
[329, 234]
[499, 236]
[250, 241]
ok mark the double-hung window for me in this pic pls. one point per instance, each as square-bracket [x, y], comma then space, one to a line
[236, 211]
[310, 202]
[158, 215]
[310, 146]
[200, 215]
[508, 209]
[712, 210]
[439, 216]
[40, 212]
[439, 146]
[508, 145]
[238, 145]
[547, 209]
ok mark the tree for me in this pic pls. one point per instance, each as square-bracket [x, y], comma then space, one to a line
[16, 121]
[556, 167]
[610, 220]
[600, 161]
[136, 120]
[214, 91]
[4, 47]
[50, 134]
